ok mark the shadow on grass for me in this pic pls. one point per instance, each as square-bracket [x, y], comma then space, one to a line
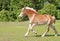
[45, 35]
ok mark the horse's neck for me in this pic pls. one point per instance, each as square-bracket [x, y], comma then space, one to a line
[30, 15]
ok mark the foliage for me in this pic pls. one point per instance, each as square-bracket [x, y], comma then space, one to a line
[48, 9]
[10, 9]
[58, 14]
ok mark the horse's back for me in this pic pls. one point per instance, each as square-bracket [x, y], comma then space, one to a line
[44, 19]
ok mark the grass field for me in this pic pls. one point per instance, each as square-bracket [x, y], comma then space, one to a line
[14, 31]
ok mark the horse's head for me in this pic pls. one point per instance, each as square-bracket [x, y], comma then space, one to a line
[23, 12]
[27, 10]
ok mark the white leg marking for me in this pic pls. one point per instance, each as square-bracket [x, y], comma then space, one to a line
[28, 30]
[43, 35]
[32, 28]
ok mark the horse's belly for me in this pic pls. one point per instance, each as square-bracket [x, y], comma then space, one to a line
[40, 22]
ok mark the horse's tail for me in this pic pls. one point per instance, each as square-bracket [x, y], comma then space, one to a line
[54, 19]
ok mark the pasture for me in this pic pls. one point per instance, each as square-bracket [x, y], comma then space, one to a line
[14, 31]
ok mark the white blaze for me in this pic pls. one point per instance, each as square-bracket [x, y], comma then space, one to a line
[21, 15]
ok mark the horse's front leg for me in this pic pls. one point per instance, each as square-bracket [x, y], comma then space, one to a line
[30, 29]
[30, 25]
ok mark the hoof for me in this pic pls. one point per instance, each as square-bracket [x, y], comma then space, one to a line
[25, 35]
[56, 35]
[42, 35]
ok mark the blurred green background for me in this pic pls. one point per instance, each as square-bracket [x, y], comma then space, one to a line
[10, 9]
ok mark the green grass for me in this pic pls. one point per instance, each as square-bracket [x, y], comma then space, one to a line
[14, 31]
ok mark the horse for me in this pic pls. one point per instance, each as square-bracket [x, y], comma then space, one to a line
[36, 18]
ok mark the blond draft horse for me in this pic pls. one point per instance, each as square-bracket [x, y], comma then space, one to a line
[36, 18]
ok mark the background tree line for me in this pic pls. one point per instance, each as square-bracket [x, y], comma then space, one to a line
[10, 9]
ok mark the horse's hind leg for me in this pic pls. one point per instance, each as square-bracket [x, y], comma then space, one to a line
[46, 31]
[53, 27]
